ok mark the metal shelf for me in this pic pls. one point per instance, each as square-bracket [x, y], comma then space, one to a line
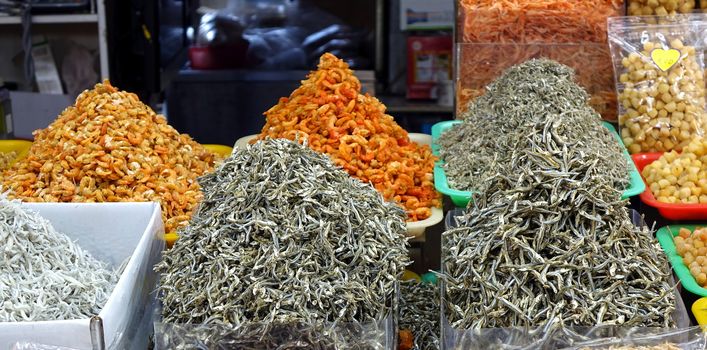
[58, 19]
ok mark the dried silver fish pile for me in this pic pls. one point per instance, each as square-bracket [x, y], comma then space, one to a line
[283, 238]
[521, 95]
[548, 245]
[419, 312]
[45, 276]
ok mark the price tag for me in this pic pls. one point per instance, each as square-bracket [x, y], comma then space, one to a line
[665, 59]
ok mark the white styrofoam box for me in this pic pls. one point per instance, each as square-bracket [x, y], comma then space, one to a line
[111, 232]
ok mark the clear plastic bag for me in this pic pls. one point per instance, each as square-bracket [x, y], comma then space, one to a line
[492, 36]
[659, 73]
[659, 7]
[262, 336]
[25, 345]
[589, 338]
[553, 336]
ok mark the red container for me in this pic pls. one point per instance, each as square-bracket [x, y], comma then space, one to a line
[219, 57]
[667, 210]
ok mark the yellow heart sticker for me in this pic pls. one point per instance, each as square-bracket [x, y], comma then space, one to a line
[665, 59]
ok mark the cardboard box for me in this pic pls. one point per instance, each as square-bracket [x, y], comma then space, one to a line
[429, 62]
[111, 232]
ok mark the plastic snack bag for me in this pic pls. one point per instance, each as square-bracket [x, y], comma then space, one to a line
[659, 73]
[659, 7]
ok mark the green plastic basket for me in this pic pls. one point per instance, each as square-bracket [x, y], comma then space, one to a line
[462, 198]
[665, 238]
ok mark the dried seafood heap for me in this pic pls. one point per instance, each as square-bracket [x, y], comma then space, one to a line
[419, 313]
[524, 93]
[548, 244]
[45, 276]
[330, 111]
[6, 158]
[285, 238]
[110, 147]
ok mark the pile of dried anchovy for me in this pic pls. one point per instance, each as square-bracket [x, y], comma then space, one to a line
[45, 276]
[548, 244]
[284, 237]
[522, 94]
[419, 312]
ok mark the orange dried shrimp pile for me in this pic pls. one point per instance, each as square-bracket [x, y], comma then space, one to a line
[501, 33]
[6, 158]
[110, 147]
[336, 118]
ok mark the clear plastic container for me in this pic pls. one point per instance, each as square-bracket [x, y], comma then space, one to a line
[477, 65]
[591, 337]
[492, 36]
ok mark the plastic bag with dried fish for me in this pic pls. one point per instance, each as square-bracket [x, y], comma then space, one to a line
[284, 237]
[547, 243]
[419, 313]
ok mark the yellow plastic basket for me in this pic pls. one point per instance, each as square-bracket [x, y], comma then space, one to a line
[221, 150]
[699, 309]
[21, 147]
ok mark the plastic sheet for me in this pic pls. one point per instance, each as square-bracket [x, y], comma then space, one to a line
[659, 70]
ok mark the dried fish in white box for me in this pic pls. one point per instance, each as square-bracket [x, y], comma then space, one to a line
[45, 276]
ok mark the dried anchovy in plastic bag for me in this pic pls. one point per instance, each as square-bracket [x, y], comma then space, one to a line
[284, 237]
[419, 312]
[548, 244]
[44, 276]
[522, 94]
